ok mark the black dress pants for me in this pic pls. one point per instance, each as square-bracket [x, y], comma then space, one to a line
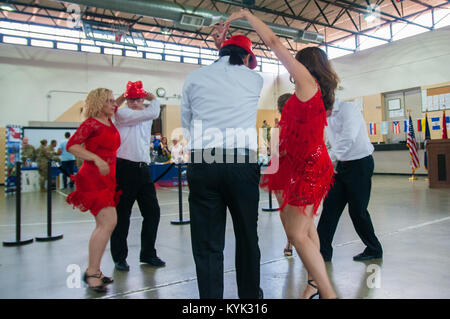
[214, 188]
[69, 167]
[353, 183]
[135, 181]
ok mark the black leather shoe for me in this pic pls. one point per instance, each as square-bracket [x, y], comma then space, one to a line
[122, 265]
[367, 256]
[153, 261]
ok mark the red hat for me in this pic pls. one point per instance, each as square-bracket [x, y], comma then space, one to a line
[135, 90]
[245, 43]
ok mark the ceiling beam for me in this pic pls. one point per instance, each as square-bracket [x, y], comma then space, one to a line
[396, 8]
[290, 16]
[381, 13]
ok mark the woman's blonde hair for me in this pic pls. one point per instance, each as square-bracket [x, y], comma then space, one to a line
[95, 101]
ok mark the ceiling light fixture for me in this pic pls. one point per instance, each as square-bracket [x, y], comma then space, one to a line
[166, 31]
[7, 7]
[372, 14]
[370, 17]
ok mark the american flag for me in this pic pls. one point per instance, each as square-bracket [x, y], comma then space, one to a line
[411, 143]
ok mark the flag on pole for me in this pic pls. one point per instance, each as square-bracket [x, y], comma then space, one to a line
[420, 125]
[444, 127]
[427, 138]
[435, 123]
[405, 123]
[373, 128]
[396, 127]
[412, 145]
[384, 128]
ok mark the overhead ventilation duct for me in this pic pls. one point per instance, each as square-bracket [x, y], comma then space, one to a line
[190, 18]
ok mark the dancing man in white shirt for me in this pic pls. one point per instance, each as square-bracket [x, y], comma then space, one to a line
[223, 172]
[351, 153]
[133, 175]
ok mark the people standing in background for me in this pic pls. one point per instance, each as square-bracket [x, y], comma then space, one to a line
[43, 155]
[351, 153]
[67, 160]
[28, 153]
[177, 151]
[134, 179]
[266, 131]
[52, 146]
[163, 151]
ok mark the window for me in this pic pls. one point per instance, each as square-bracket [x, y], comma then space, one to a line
[336, 53]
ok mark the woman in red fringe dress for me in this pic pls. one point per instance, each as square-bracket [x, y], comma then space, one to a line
[96, 180]
[305, 172]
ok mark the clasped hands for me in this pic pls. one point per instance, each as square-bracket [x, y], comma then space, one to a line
[221, 29]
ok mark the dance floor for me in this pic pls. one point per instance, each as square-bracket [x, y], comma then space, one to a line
[411, 220]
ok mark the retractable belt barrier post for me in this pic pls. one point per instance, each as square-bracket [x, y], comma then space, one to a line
[270, 208]
[180, 221]
[49, 236]
[18, 241]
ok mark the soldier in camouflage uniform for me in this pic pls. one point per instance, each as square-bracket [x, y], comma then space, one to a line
[28, 153]
[44, 153]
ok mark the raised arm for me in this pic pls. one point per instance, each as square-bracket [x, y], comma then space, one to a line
[120, 100]
[128, 117]
[305, 85]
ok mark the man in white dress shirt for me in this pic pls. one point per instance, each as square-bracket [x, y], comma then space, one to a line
[351, 154]
[219, 103]
[133, 175]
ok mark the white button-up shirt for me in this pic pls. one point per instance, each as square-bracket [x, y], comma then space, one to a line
[347, 133]
[218, 106]
[135, 128]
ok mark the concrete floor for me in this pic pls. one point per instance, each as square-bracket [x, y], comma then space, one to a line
[411, 220]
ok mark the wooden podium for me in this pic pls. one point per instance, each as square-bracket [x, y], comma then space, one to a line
[438, 152]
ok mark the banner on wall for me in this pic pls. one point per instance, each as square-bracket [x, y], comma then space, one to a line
[13, 145]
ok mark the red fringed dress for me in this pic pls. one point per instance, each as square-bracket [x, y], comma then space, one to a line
[305, 172]
[94, 191]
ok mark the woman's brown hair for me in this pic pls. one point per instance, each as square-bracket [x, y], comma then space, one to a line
[282, 99]
[317, 63]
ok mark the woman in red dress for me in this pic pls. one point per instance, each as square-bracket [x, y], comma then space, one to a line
[96, 181]
[305, 171]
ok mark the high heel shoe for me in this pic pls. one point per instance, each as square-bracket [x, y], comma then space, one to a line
[310, 282]
[99, 288]
[106, 280]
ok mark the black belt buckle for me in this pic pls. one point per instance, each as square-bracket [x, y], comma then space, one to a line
[142, 164]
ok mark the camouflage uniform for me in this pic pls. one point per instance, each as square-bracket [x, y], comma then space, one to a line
[43, 155]
[28, 153]
[266, 135]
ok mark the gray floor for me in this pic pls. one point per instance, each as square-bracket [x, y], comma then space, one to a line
[411, 220]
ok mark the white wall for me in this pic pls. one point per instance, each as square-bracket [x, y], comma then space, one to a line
[411, 62]
[39, 84]
[29, 74]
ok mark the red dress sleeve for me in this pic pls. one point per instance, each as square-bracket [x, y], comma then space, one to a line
[87, 129]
